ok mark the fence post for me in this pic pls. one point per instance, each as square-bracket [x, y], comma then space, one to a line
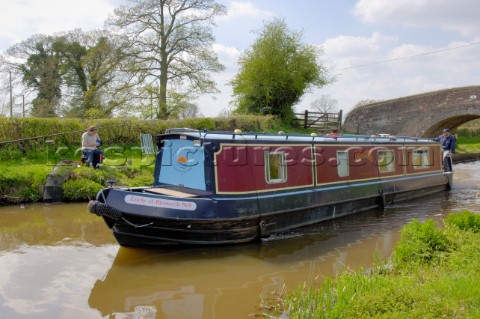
[340, 120]
[305, 121]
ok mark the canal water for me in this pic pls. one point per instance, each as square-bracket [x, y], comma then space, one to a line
[60, 261]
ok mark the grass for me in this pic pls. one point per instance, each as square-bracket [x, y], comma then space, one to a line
[20, 182]
[468, 144]
[433, 273]
[22, 176]
[24, 168]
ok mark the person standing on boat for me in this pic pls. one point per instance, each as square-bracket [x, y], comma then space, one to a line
[90, 143]
[448, 142]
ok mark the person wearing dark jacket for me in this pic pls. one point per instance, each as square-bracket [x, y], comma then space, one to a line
[448, 142]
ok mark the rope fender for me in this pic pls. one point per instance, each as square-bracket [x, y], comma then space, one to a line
[101, 209]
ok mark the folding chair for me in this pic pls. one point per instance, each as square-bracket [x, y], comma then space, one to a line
[146, 141]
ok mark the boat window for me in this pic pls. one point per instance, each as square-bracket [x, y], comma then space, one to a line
[275, 167]
[342, 163]
[421, 159]
[386, 161]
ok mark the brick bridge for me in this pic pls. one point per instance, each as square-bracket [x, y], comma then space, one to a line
[422, 115]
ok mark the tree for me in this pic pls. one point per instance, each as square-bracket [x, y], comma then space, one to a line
[91, 63]
[325, 104]
[171, 44]
[276, 72]
[191, 110]
[38, 64]
[72, 73]
[225, 112]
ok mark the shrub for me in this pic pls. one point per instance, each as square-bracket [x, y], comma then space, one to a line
[143, 179]
[18, 184]
[62, 131]
[80, 189]
[126, 176]
[30, 194]
[420, 243]
[465, 221]
[96, 175]
[57, 138]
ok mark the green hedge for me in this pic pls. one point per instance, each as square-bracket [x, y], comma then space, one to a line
[22, 185]
[24, 150]
[67, 131]
[467, 132]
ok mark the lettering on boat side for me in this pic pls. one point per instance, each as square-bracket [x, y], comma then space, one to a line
[160, 202]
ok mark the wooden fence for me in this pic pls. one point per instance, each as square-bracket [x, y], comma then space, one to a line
[323, 122]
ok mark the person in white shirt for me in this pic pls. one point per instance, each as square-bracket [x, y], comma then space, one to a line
[90, 143]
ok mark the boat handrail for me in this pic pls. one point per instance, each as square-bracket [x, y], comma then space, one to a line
[343, 137]
[181, 130]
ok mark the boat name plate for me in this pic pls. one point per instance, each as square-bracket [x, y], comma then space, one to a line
[160, 202]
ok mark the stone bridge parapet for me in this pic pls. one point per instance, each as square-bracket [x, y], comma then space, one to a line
[422, 115]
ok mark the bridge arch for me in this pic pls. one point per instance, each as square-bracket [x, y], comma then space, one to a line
[422, 115]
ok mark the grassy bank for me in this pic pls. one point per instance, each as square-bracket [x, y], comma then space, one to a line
[23, 181]
[30, 148]
[468, 144]
[84, 182]
[433, 273]
[468, 138]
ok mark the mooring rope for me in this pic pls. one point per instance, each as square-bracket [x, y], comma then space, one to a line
[135, 225]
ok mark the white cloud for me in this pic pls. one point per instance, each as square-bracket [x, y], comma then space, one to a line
[21, 19]
[211, 105]
[240, 9]
[460, 16]
[228, 55]
[415, 69]
[236, 29]
[347, 51]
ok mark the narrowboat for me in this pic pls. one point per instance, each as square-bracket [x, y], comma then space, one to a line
[215, 187]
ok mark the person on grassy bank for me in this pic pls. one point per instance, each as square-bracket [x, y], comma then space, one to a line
[90, 143]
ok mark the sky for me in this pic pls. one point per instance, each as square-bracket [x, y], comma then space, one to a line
[374, 49]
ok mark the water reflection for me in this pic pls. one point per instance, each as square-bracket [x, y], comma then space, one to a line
[48, 225]
[60, 261]
[50, 256]
[219, 282]
[225, 282]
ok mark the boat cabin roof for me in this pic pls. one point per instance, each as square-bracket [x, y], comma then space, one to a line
[289, 137]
